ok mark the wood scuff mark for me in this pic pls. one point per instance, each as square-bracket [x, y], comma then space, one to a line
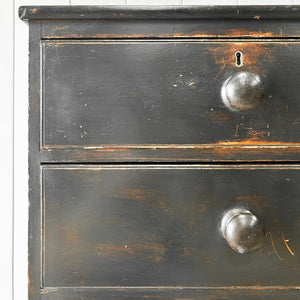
[218, 117]
[275, 250]
[48, 290]
[236, 135]
[154, 252]
[286, 244]
[61, 28]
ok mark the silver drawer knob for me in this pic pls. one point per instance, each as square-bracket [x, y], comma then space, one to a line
[242, 230]
[242, 91]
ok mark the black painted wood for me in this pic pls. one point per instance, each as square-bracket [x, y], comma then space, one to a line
[165, 92]
[162, 29]
[163, 294]
[241, 149]
[178, 153]
[160, 226]
[57, 221]
[158, 12]
[34, 187]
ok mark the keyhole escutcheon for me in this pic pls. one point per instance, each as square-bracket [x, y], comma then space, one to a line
[238, 58]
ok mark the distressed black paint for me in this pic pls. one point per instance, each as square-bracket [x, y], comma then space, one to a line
[158, 12]
[163, 294]
[160, 226]
[80, 216]
[154, 92]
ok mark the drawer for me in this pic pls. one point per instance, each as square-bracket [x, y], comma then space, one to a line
[160, 226]
[166, 94]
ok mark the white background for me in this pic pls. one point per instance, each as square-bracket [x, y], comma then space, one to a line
[13, 150]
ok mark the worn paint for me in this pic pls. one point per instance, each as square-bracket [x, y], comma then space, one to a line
[34, 11]
[255, 142]
[137, 194]
[255, 201]
[254, 54]
[154, 252]
[248, 33]
[234, 33]
[165, 241]
[182, 239]
[188, 251]
[275, 249]
[229, 151]
[206, 258]
[31, 289]
[254, 131]
[152, 199]
[69, 236]
[287, 246]
[219, 116]
[61, 27]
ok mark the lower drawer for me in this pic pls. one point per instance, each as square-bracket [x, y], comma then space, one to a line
[160, 226]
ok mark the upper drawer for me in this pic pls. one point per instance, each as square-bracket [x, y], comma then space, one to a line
[140, 94]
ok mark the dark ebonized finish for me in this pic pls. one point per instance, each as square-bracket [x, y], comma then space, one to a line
[105, 88]
[270, 12]
[160, 225]
[141, 93]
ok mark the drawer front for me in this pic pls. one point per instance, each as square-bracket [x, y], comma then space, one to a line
[166, 93]
[156, 226]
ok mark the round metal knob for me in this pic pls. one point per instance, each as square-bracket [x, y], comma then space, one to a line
[242, 91]
[242, 230]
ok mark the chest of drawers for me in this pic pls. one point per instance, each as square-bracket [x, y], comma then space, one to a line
[163, 152]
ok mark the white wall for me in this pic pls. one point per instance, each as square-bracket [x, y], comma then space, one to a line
[6, 151]
[14, 87]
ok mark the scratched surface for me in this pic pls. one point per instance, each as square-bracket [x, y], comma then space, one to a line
[161, 294]
[159, 226]
[165, 92]
[161, 12]
[218, 28]
[152, 231]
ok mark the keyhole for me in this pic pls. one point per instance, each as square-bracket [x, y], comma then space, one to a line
[238, 58]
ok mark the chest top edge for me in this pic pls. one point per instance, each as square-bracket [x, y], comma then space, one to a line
[160, 12]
